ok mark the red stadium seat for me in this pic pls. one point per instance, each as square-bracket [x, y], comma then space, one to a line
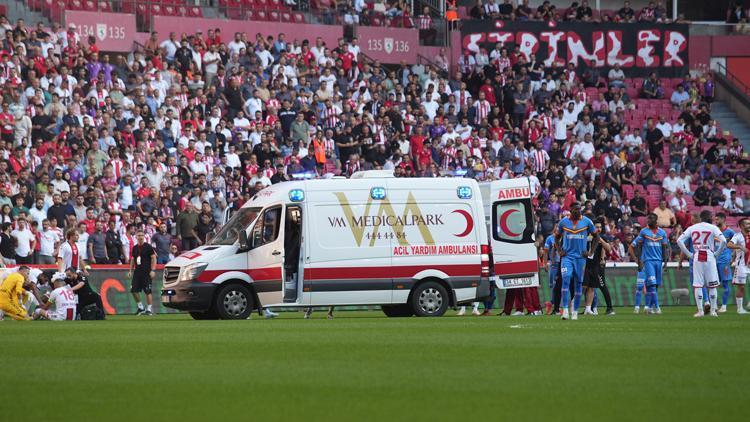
[261, 15]
[298, 17]
[195, 12]
[286, 17]
[127, 6]
[274, 16]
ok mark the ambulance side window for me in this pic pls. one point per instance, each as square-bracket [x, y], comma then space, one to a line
[266, 230]
[513, 221]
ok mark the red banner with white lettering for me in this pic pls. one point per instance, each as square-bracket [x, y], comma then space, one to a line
[113, 31]
[639, 48]
[389, 45]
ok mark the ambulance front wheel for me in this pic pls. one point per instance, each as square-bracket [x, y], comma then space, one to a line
[429, 299]
[397, 311]
[234, 301]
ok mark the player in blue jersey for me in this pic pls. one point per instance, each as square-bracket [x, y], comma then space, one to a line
[571, 241]
[552, 262]
[724, 261]
[640, 284]
[652, 254]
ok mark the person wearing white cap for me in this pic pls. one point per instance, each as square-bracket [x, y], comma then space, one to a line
[671, 183]
[61, 305]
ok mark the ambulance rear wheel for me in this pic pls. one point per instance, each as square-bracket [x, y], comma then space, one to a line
[234, 301]
[397, 311]
[429, 299]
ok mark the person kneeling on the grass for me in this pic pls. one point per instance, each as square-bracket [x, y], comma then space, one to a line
[28, 299]
[61, 305]
[87, 297]
[13, 289]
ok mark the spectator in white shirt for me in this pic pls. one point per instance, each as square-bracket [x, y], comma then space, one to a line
[586, 148]
[236, 45]
[733, 204]
[679, 98]
[233, 160]
[671, 183]
[49, 241]
[685, 181]
[26, 241]
[664, 127]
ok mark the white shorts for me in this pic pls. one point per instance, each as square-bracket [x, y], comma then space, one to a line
[61, 315]
[705, 274]
[740, 275]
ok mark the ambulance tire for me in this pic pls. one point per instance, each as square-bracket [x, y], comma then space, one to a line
[429, 299]
[397, 311]
[234, 301]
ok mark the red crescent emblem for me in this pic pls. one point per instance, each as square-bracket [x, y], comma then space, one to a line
[504, 223]
[469, 223]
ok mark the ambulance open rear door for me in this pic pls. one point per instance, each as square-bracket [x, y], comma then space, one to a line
[512, 231]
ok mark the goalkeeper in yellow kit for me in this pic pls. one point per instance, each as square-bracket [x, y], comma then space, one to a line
[11, 291]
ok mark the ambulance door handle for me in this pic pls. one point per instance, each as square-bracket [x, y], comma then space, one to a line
[276, 253]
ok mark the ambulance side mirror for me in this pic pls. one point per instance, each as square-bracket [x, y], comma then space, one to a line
[244, 247]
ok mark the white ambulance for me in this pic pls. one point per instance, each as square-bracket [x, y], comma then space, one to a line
[413, 246]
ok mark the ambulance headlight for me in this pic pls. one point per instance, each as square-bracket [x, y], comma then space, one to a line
[192, 271]
[377, 193]
[296, 195]
[464, 192]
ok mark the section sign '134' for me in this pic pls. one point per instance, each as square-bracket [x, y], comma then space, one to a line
[639, 48]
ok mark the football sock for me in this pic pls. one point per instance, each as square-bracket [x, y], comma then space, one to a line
[739, 302]
[705, 293]
[476, 306]
[140, 306]
[595, 302]
[638, 295]
[148, 308]
[655, 297]
[725, 293]
[699, 299]
[712, 296]
[565, 292]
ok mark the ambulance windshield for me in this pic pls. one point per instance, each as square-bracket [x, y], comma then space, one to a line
[241, 220]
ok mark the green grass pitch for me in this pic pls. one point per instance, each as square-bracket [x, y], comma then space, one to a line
[363, 366]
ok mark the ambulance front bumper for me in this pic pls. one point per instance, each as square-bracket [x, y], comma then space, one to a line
[189, 295]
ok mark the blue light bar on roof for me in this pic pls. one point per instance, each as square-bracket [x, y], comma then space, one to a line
[377, 193]
[464, 192]
[296, 195]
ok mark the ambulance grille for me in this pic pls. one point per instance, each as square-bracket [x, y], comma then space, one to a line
[171, 274]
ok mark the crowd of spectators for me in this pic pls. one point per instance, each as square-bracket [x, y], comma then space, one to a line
[580, 11]
[168, 138]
